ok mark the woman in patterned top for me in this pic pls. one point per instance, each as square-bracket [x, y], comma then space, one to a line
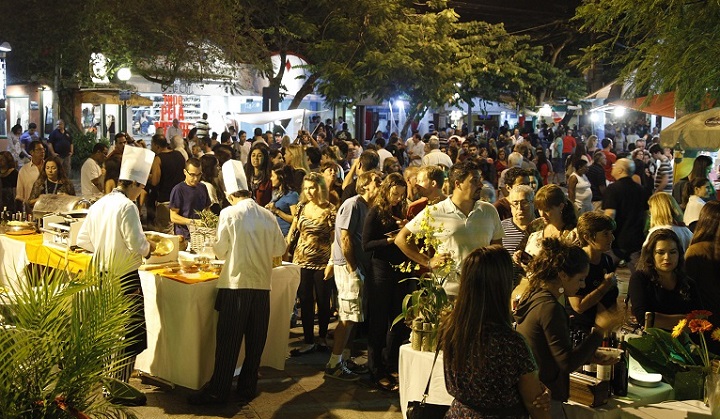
[316, 222]
[53, 180]
[489, 368]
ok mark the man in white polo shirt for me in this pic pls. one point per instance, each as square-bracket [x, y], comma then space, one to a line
[435, 157]
[462, 222]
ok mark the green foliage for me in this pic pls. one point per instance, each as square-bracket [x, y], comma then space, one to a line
[57, 338]
[660, 46]
[82, 148]
[429, 301]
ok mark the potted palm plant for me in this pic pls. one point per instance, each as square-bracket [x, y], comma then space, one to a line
[61, 341]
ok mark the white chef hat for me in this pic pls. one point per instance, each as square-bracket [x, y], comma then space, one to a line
[234, 176]
[136, 164]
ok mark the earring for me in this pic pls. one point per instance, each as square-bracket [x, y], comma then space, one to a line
[561, 290]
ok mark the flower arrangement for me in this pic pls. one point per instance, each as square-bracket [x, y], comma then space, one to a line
[697, 321]
[423, 308]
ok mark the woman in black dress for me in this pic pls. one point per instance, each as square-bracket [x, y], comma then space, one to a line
[384, 289]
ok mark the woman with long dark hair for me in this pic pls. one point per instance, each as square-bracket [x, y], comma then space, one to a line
[699, 189]
[702, 262]
[558, 272]
[660, 285]
[489, 368]
[702, 166]
[543, 165]
[53, 180]
[385, 291]
[284, 198]
[257, 171]
[595, 234]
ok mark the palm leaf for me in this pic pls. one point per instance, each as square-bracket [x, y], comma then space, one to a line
[60, 337]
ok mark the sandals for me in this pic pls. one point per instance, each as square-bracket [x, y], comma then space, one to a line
[387, 384]
[303, 351]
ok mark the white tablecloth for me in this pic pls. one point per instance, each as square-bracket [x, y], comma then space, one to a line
[690, 409]
[13, 260]
[181, 322]
[415, 370]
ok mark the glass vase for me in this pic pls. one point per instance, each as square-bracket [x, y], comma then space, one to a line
[712, 393]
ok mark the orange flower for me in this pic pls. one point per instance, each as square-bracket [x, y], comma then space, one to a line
[678, 329]
[716, 335]
[700, 326]
[699, 314]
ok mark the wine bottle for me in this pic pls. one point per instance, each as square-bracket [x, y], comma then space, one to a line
[619, 382]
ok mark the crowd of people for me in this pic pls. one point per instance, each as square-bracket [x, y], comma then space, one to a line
[542, 218]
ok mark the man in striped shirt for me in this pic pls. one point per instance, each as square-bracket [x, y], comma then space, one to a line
[664, 172]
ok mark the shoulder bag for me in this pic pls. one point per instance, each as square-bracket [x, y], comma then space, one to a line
[423, 410]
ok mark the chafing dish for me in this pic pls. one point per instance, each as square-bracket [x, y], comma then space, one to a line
[61, 230]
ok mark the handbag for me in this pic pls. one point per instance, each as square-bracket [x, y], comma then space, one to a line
[294, 233]
[422, 409]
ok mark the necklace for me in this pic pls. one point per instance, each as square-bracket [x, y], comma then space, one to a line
[47, 188]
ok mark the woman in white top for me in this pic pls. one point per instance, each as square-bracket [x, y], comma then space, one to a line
[579, 190]
[700, 188]
[665, 213]
[557, 218]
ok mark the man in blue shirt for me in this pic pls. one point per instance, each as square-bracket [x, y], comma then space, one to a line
[187, 197]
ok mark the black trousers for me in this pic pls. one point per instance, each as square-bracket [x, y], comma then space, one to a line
[312, 286]
[385, 294]
[136, 332]
[241, 313]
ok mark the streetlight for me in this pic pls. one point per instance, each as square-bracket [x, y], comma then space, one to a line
[4, 49]
[124, 75]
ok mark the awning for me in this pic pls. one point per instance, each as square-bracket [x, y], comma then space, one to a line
[610, 91]
[662, 104]
[112, 98]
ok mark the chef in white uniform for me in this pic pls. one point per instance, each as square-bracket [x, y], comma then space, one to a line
[112, 230]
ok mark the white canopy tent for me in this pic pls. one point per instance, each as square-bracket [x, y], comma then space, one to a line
[296, 117]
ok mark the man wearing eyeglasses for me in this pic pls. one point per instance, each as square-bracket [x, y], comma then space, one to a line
[188, 197]
[30, 172]
[513, 176]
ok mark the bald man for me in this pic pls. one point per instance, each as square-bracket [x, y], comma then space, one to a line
[626, 202]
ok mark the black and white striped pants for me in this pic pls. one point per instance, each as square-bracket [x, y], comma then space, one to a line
[241, 313]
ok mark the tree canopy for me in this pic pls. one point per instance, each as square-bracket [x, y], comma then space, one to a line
[660, 46]
[354, 48]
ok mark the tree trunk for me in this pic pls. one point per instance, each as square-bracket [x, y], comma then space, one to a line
[417, 113]
[553, 60]
[66, 102]
[307, 88]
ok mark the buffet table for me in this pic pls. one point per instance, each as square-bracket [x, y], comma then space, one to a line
[16, 252]
[181, 322]
[415, 367]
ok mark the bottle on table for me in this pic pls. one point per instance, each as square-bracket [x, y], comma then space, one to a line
[619, 382]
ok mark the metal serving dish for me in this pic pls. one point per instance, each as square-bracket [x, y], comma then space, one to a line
[19, 228]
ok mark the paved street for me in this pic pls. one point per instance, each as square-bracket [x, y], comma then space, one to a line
[300, 391]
